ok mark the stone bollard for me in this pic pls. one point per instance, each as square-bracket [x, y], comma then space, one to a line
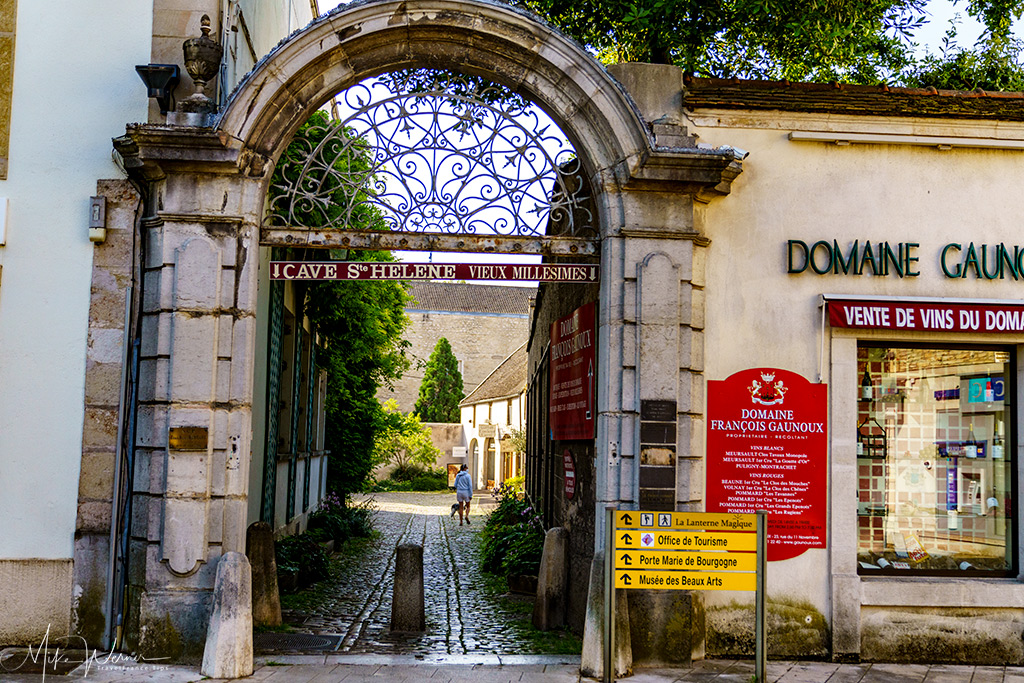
[266, 599]
[549, 608]
[228, 652]
[592, 659]
[407, 607]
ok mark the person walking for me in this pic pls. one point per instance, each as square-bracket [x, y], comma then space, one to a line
[463, 492]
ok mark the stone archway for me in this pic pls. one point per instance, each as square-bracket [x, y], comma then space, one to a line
[205, 191]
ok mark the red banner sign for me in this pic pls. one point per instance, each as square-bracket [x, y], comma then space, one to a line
[767, 449]
[926, 316]
[573, 366]
[366, 270]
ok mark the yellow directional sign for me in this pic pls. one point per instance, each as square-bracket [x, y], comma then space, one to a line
[722, 581]
[684, 540]
[664, 521]
[701, 562]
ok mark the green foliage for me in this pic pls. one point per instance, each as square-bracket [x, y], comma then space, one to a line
[859, 41]
[302, 554]
[402, 440]
[513, 537]
[339, 519]
[361, 322]
[414, 478]
[441, 390]
[993, 65]
[517, 440]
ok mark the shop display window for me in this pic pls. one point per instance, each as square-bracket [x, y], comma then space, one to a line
[935, 467]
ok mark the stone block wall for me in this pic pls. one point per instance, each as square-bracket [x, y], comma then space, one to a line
[112, 275]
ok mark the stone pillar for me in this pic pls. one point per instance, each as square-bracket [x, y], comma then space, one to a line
[228, 652]
[195, 382]
[651, 424]
[549, 608]
[266, 600]
[408, 613]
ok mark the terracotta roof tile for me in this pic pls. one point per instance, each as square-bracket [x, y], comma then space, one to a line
[836, 98]
[508, 379]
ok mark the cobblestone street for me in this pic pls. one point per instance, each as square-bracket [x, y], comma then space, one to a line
[465, 614]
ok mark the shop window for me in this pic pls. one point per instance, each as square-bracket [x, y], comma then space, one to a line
[934, 460]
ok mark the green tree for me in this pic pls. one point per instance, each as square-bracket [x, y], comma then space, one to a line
[441, 389]
[861, 41]
[360, 322]
[403, 440]
[992, 64]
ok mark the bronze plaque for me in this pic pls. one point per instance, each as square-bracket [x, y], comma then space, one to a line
[658, 411]
[658, 499]
[188, 438]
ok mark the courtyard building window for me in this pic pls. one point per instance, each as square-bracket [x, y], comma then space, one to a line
[934, 459]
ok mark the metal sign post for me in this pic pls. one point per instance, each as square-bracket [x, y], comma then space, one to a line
[760, 632]
[609, 593]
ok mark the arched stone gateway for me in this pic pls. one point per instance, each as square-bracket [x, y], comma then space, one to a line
[205, 190]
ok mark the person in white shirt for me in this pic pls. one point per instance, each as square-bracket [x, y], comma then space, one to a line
[463, 492]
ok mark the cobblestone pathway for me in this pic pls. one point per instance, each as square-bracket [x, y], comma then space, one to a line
[464, 614]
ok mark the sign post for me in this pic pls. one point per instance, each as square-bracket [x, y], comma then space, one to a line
[686, 551]
[609, 593]
[760, 634]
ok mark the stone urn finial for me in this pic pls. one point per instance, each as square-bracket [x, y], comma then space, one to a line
[202, 61]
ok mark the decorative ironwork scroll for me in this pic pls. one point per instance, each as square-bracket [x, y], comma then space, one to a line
[427, 151]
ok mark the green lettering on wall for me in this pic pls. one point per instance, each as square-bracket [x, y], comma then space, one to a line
[945, 269]
[971, 260]
[837, 258]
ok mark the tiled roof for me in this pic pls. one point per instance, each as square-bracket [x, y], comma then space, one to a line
[835, 98]
[466, 298]
[508, 379]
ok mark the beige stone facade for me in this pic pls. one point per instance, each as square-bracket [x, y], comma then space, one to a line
[698, 188]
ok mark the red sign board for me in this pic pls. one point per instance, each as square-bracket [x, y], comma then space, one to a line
[767, 449]
[573, 365]
[570, 474]
[926, 316]
[367, 270]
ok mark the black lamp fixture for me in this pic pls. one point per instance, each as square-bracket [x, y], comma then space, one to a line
[160, 80]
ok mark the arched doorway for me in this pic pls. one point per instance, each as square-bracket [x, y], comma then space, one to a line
[204, 223]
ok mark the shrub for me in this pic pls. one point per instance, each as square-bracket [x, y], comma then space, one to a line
[414, 479]
[513, 536]
[339, 519]
[304, 555]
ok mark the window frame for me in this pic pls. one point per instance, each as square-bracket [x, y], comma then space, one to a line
[1011, 454]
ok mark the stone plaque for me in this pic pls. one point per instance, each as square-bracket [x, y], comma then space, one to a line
[658, 455]
[487, 430]
[188, 438]
[657, 499]
[657, 477]
[658, 411]
[658, 433]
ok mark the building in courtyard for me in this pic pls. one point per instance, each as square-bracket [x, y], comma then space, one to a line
[492, 416]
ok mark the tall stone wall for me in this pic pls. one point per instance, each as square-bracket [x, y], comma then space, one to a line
[479, 341]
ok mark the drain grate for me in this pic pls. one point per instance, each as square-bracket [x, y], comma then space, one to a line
[294, 642]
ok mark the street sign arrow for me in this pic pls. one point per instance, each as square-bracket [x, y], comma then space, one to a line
[627, 560]
[626, 519]
[627, 539]
[626, 580]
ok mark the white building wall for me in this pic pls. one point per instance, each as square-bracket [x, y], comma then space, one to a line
[758, 315]
[67, 105]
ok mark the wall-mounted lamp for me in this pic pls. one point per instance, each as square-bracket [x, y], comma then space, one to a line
[160, 80]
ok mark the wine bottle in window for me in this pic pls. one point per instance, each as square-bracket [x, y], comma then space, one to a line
[866, 392]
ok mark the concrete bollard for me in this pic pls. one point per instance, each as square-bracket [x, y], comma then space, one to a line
[266, 599]
[549, 608]
[407, 607]
[228, 652]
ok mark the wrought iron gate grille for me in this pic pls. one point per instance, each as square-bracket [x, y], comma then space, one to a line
[428, 151]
